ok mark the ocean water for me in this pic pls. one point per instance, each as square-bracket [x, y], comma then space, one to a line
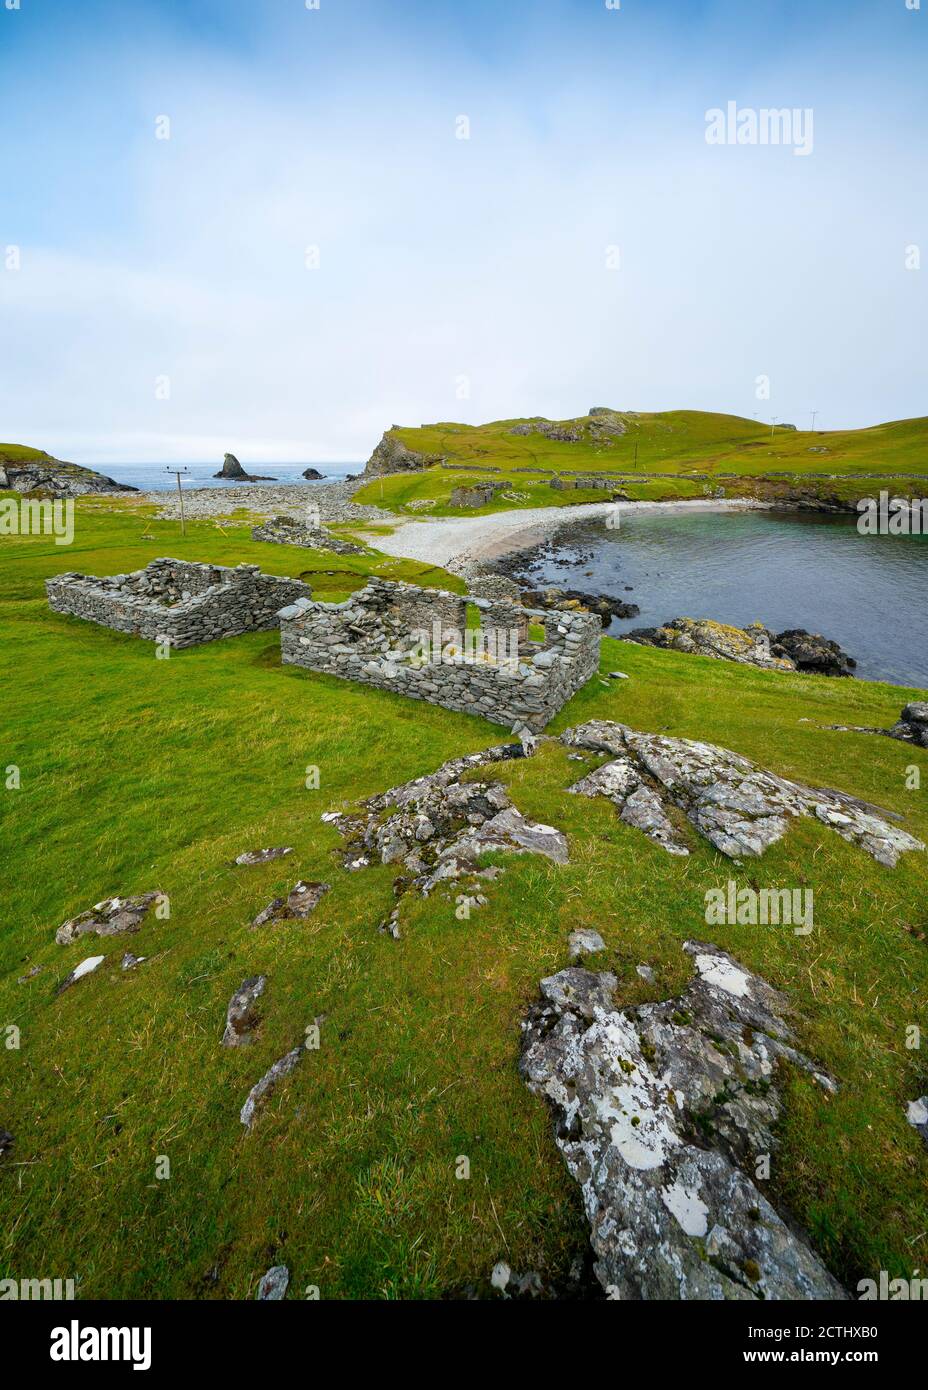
[160, 477]
[786, 570]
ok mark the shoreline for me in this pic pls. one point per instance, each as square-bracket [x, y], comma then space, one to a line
[459, 544]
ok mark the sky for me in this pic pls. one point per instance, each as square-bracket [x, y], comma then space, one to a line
[274, 229]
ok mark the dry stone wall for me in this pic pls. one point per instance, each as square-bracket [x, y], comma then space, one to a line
[415, 642]
[185, 602]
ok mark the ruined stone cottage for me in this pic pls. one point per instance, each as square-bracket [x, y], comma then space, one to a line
[418, 642]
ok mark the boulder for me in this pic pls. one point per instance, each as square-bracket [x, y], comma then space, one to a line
[110, 917]
[313, 474]
[660, 1112]
[242, 1015]
[809, 651]
[912, 726]
[584, 942]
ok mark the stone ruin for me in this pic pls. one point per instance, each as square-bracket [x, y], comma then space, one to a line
[417, 642]
[475, 495]
[288, 530]
[178, 600]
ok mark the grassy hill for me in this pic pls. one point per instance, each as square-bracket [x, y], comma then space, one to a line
[139, 774]
[671, 454]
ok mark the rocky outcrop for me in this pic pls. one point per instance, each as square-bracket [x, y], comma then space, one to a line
[575, 600]
[263, 1088]
[701, 636]
[111, 917]
[51, 477]
[393, 456]
[313, 475]
[436, 828]
[755, 645]
[302, 899]
[561, 431]
[288, 530]
[741, 809]
[662, 1112]
[231, 468]
[242, 1013]
[809, 651]
[912, 726]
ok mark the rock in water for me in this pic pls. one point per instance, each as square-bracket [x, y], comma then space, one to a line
[660, 1113]
[108, 918]
[273, 1286]
[262, 1089]
[736, 805]
[231, 468]
[313, 475]
[241, 1015]
[303, 899]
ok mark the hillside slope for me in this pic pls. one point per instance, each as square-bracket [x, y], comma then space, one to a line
[171, 768]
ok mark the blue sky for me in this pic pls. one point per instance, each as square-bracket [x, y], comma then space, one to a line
[585, 245]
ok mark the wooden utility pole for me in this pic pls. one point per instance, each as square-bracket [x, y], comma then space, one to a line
[180, 493]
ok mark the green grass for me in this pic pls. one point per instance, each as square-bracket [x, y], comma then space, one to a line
[139, 774]
[671, 454]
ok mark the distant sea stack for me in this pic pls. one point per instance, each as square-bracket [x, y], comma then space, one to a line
[393, 456]
[231, 468]
[313, 475]
[30, 470]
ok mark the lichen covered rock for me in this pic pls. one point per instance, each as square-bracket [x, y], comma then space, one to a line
[736, 805]
[662, 1112]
